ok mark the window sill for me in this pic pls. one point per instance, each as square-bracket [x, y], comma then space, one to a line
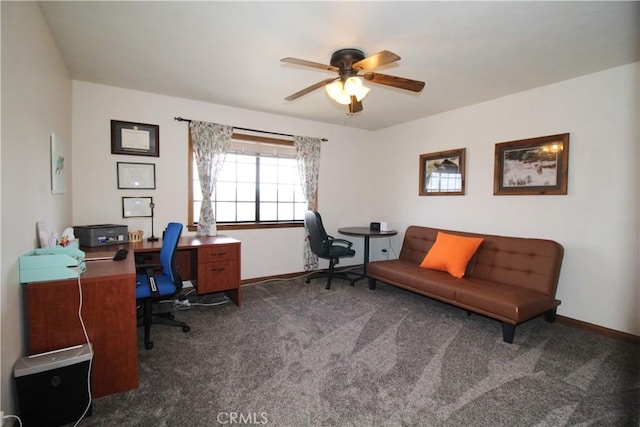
[254, 225]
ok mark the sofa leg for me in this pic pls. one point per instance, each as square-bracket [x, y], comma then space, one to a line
[372, 284]
[508, 331]
[550, 316]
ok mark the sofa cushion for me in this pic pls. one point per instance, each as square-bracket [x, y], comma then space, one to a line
[409, 275]
[506, 301]
[451, 253]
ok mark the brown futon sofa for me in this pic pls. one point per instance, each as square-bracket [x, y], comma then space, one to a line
[510, 279]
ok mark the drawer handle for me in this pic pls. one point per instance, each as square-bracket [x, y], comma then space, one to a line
[219, 254]
[218, 269]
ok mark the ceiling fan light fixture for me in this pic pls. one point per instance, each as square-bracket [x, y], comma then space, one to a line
[336, 91]
[342, 92]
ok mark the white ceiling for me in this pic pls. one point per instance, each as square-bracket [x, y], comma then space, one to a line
[229, 53]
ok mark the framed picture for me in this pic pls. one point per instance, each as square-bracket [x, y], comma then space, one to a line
[57, 156]
[136, 176]
[442, 173]
[136, 139]
[137, 207]
[532, 166]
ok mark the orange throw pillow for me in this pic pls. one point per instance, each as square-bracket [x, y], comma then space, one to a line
[451, 253]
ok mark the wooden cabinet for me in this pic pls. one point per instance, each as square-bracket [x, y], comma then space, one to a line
[109, 315]
[219, 268]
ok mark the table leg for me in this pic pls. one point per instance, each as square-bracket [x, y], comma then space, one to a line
[366, 254]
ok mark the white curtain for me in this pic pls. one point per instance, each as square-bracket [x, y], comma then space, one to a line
[210, 143]
[308, 157]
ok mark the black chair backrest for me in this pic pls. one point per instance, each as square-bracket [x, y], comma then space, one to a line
[318, 239]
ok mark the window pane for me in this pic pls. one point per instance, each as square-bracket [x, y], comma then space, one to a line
[246, 192]
[298, 195]
[228, 172]
[268, 192]
[300, 209]
[286, 175]
[196, 211]
[225, 211]
[268, 211]
[268, 173]
[285, 193]
[225, 191]
[197, 193]
[285, 211]
[268, 160]
[246, 172]
[246, 212]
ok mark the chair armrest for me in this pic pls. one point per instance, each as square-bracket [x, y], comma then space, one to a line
[340, 242]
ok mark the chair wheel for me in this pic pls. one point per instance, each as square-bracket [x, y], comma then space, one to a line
[148, 345]
[308, 280]
[186, 328]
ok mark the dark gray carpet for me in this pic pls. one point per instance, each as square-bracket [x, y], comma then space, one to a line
[298, 355]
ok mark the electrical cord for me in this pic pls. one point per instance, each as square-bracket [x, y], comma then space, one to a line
[86, 336]
[392, 248]
[4, 417]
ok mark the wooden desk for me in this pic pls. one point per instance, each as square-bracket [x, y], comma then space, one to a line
[211, 263]
[109, 304]
[109, 314]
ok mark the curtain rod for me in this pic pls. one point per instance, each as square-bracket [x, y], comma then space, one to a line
[180, 119]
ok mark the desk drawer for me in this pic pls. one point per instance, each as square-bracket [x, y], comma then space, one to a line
[217, 253]
[218, 276]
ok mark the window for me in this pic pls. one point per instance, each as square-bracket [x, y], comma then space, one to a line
[258, 186]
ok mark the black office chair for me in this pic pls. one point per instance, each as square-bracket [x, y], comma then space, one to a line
[327, 247]
[155, 282]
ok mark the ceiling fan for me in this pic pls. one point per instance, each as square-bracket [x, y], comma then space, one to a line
[352, 67]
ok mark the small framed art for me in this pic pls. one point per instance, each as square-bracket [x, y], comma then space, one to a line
[136, 176]
[532, 166]
[442, 173]
[137, 207]
[58, 174]
[136, 139]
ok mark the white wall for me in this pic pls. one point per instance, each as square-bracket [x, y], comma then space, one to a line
[365, 176]
[343, 197]
[596, 222]
[36, 101]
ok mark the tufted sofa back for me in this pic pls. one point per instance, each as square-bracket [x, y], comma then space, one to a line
[525, 262]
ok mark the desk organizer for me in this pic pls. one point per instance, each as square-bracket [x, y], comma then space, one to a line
[51, 264]
[136, 235]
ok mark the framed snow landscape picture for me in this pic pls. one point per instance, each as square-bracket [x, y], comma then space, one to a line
[532, 166]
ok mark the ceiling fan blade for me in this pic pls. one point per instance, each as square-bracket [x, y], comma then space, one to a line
[399, 82]
[310, 89]
[355, 106]
[377, 60]
[306, 63]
